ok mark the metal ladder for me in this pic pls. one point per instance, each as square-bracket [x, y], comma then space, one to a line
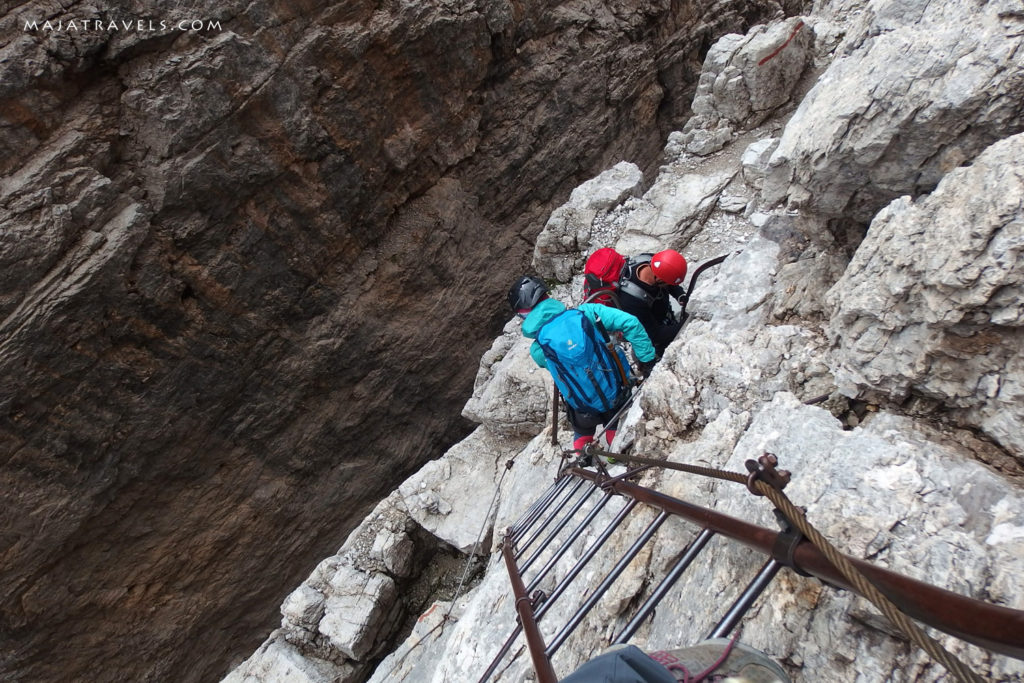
[543, 525]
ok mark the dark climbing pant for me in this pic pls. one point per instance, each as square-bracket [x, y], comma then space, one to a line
[586, 424]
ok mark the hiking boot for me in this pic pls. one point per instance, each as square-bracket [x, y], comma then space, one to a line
[743, 662]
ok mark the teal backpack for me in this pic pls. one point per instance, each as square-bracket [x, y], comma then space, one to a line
[586, 373]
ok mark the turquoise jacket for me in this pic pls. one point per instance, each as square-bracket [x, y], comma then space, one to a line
[613, 319]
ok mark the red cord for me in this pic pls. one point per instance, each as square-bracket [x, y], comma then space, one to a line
[688, 677]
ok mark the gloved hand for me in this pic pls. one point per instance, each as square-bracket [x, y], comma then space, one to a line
[645, 368]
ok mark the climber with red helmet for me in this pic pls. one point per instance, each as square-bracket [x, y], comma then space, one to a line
[646, 286]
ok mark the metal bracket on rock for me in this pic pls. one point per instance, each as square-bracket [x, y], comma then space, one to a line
[784, 550]
[534, 600]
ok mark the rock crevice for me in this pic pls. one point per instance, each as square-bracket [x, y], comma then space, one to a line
[905, 338]
[226, 256]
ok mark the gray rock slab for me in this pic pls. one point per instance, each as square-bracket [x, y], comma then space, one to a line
[744, 80]
[278, 661]
[755, 160]
[356, 610]
[916, 90]
[512, 394]
[672, 211]
[449, 497]
[567, 235]
[931, 302]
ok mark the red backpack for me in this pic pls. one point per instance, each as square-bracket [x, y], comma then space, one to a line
[601, 276]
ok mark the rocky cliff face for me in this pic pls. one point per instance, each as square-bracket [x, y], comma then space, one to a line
[246, 272]
[875, 217]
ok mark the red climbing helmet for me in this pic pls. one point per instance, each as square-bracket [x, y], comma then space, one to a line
[669, 266]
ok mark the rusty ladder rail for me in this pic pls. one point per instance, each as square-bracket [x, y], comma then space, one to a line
[992, 627]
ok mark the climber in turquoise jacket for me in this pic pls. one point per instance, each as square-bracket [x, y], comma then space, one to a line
[614, 321]
[529, 299]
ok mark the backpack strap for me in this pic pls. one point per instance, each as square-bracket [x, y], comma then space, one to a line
[609, 346]
[636, 291]
[626, 284]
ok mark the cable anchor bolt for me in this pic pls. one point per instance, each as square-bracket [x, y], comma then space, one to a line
[764, 469]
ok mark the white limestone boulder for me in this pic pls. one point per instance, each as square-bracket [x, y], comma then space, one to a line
[672, 211]
[932, 302]
[560, 250]
[917, 89]
[358, 610]
[755, 161]
[303, 608]
[732, 355]
[512, 394]
[278, 661]
[744, 80]
[449, 497]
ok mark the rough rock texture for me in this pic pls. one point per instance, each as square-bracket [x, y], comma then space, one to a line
[336, 624]
[898, 490]
[744, 80]
[755, 161]
[895, 491]
[226, 259]
[568, 233]
[918, 88]
[672, 211]
[903, 486]
[668, 214]
[436, 496]
[931, 304]
[506, 371]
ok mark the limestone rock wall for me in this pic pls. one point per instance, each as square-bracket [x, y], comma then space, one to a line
[909, 351]
[917, 89]
[744, 80]
[931, 304]
[246, 273]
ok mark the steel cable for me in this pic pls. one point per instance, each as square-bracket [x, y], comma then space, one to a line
[465, 573]
[479, 539]
[861, 583]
